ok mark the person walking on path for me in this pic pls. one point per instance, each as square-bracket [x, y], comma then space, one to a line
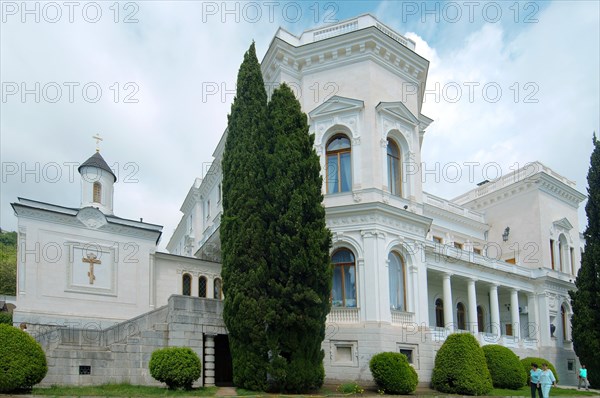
[583, 378]
[547, 380]
[534, 379]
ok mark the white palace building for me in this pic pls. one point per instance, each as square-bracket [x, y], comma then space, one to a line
[409, 267]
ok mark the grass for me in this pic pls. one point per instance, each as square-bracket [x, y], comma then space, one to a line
[123, 390]
[128, 390]
[554, 392]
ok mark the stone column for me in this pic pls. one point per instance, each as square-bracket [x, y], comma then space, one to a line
[448, 313]
[372, 299]
[209, 360]
[514, 313]
[472, 296]
[495, 327]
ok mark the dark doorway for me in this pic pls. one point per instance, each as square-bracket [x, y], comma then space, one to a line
[223, 367]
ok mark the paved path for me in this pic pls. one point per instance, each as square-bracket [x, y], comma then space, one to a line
[226, 392]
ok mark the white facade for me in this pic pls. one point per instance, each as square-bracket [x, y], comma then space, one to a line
[411, 267]
[86, 268]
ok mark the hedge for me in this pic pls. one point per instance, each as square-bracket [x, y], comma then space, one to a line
[460, 367]
[392, 373]
[505, 367]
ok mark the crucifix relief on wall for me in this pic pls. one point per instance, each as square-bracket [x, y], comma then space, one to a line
[91, 259]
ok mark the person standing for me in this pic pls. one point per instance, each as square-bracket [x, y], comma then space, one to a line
[547, 380]
[583, 378]
[534, 379]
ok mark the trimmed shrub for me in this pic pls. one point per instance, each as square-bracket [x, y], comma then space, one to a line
[6, 318]
[526, 362]
[22, 360]
[178, 367]
[460, 367]
[392, 373]
[505, 367]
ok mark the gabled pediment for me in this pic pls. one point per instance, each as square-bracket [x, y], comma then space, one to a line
[337, 104]
[563, 223]
[399, 110]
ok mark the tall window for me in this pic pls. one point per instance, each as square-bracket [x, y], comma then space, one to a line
[563, 319]
[97, 192]
[572, 253]
[439, 313]
[344, 279]
[218, 291]
[394, 168]
[480, 326]
[187, 285]
[339, 169]
[552, 253]
[461, 318]
[397, 280]
[202, 286]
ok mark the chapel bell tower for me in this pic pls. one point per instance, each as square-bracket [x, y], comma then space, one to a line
[97, 182]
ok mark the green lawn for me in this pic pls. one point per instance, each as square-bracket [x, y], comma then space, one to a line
[123, 390]
[554, 392]
[128, 390]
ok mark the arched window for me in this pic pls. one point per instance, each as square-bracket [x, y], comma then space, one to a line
[461, 318]
[339, 169]
[394, 168]
[480, 322]
[439, 313]
[343, 293]
[218, 291]
[397, 279]
[187, 285]
[563, 250]
[97, 192]
[202, 286]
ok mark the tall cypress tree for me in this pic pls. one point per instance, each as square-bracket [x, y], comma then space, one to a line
[243, 227]
[586, 300]
[298, 256]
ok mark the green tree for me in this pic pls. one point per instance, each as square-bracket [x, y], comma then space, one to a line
[8, 263]
[299, 282]
[585, 301]
[243, 227]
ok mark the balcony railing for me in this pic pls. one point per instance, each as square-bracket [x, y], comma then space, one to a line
[343, 315]
[402, 318]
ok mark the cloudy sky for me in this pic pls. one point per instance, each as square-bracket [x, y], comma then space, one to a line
[509, 83]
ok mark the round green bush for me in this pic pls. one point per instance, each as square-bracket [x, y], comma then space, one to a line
[392, 373]
[505, 367]
[22, 360]
[460, 367]
[178, 367]
[526, 362]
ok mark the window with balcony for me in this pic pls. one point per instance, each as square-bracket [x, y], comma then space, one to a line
[339, 168]
[394, 167]
[343, 293]
[397, 282]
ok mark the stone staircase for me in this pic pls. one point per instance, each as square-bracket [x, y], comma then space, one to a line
[122, 352]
